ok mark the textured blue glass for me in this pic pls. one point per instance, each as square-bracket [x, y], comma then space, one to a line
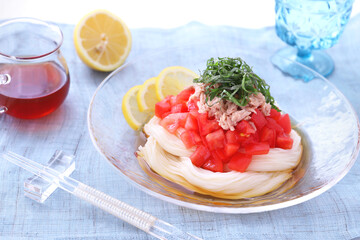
[311, 24]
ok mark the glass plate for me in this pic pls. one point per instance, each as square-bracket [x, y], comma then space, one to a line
[325, 118]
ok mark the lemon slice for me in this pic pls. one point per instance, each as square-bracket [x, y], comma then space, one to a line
[130, 109]
[102, 40]
[172, 80]
[146, 96]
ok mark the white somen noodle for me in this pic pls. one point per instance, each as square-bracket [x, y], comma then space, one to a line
[166, 154]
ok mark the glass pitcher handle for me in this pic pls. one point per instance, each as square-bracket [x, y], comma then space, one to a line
[5, 79]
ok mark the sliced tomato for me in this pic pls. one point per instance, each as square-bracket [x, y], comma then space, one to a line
[271, 123]
[173, 121]
[230, 149]
[240, 162]
[284, 122]
[215, 165]
[162, 107]
[184, 95]
[284, 141]
[191, 123]
[257, 148]
[215, 139]
[268, 135]
[200, 156]
[258, 119]
[274, 114]
[245, 127]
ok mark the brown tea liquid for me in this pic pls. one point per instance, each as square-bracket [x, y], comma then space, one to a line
[35, 90]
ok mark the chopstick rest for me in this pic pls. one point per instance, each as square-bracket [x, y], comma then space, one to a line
[39, 189]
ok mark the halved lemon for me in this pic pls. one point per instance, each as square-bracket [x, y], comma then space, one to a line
[130, 109]
[102, 40]
[173, 80]
[146, 97]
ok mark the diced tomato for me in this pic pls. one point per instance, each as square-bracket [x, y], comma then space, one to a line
[195, 113]
[284, 122]
[178, 108]
[162, 107]
[271, 123]
[230, 149]
[199, 126]
[245, 127]
[240, 162]
[249, 139]
[192, 105]
[170, 124]
[196, 137]
[165, 114]
[206, 125]
[173, 121]
[184, 95]
[215, 165]
[190, 138]
[215, 139]
[187, 139]
[191, 123]
[232, 137]
[172, 100]
[181, 118]
[243, 139]
[216, 147]
[213, 125]
[202, 120]
[274, 114]
[242, 150]
[220, 154]
[257, 148]
[268, 135]
[200, 156]
[284, 141]
[258, 119]
[180, 130]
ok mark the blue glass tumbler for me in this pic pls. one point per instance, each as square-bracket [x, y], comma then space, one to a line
[308, 25]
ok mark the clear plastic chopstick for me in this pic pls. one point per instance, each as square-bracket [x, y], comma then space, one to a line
[129, 214]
